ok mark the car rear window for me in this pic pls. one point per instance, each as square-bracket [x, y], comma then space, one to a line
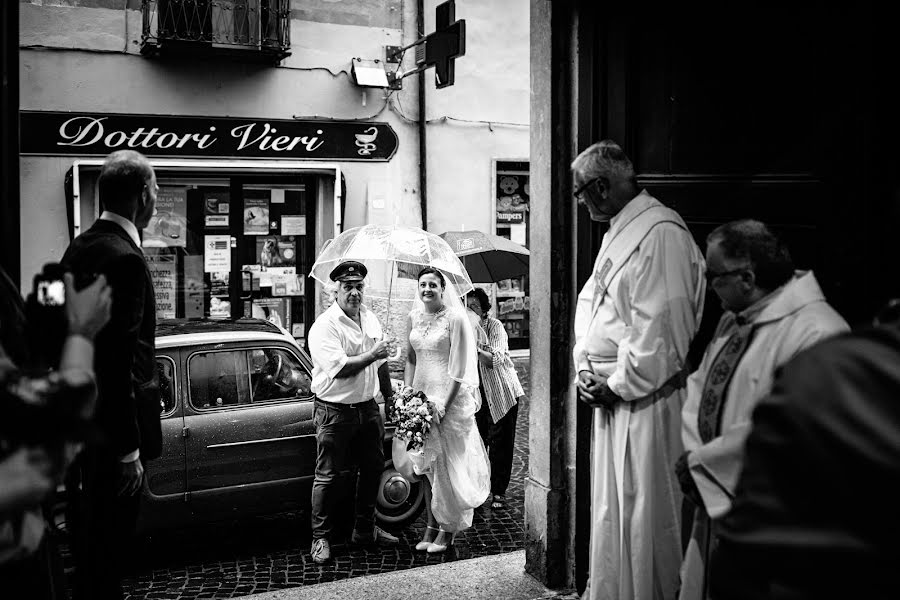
[165, 370]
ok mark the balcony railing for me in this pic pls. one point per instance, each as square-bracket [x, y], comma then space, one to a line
[258, 29]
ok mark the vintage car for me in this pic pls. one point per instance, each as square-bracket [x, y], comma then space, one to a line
[237, 424]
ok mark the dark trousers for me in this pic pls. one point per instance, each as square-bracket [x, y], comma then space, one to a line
[102, 526]
[500, 440]
[346, 435]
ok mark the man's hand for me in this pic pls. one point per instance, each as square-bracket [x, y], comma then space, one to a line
[381, 349]
[130, 476]
[687, 483]
[88, 310]
[26, 477]
[593, 391]
[486, 358]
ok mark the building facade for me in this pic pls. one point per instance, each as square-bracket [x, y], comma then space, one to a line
[264, 144]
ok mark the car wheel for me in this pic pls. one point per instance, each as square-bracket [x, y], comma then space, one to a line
[399, 500]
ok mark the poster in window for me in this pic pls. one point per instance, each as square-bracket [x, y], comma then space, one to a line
[216, 253]
[287, 285]
[216, 202]
[256, 216]
[512, 198]
[216, 208]
[273, 310]
[218, 283]
[168, 225]
[267, 275]
[276, 251]
[163, 270]
[293, 225]
[219, 308]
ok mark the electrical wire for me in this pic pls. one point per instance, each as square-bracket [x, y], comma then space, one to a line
[387, 102]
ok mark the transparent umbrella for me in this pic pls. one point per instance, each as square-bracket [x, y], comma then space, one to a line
[393, 255]
[391, 252]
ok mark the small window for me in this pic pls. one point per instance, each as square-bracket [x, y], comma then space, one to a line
[219, 379]
[165, 370]
[276, 374]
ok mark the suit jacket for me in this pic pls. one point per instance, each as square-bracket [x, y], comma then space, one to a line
[125, 363]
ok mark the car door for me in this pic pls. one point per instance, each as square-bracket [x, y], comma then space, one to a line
[251, 441]
[164, 491]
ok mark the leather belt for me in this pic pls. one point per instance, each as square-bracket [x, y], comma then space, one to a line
[354, 406]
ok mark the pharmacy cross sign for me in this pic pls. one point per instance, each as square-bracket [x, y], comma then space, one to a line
[446, 44]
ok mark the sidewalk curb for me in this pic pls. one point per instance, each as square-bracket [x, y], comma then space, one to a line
[499, 576]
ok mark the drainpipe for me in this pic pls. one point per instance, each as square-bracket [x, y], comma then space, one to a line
[423, 175]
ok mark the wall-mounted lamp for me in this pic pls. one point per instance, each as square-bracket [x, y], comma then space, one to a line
[368, 73]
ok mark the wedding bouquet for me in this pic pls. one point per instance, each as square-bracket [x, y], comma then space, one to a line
[413, 413]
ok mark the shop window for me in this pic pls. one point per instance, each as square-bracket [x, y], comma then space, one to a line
[229, 247]
[512, 220]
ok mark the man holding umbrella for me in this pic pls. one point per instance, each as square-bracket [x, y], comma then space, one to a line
[349, 355]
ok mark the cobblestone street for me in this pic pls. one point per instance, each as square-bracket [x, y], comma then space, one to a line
[268, 553]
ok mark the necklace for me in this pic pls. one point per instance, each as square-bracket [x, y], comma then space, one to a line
[432, 318]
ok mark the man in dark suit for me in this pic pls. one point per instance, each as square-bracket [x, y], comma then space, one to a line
[104, 516]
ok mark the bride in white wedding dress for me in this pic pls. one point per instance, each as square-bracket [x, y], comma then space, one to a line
[442, 362]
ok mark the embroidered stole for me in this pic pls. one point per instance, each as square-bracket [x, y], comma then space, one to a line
[709, 416]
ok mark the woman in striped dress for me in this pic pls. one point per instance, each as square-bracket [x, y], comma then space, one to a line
[501, 391]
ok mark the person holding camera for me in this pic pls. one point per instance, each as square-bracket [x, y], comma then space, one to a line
[104, 514]
[46, 417]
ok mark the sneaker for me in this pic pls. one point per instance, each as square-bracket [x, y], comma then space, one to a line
[378, 536]
[320, 551]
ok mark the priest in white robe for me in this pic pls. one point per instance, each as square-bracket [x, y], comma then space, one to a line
[634, 321]
[771, 314]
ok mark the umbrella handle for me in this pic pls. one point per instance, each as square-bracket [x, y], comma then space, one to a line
[396, 353]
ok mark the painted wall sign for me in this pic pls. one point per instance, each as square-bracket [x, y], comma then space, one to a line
[98, 134]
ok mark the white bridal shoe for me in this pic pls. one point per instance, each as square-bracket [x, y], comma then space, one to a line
[426, 543]
[438, 548]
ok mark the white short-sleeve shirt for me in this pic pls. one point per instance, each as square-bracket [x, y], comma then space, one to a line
[333, 338]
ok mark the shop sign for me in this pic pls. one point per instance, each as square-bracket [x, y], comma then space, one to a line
[510, 217]
[98, 134]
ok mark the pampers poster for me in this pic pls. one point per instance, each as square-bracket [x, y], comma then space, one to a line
[168, 225]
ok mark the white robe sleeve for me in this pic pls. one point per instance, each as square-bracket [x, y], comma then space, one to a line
[662, 289]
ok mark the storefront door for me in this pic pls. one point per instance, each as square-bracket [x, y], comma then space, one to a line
[233, 246]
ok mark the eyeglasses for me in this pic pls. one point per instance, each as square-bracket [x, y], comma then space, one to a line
[582, 189]
[713, 275]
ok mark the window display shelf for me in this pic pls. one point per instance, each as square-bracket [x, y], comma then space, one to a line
[510, 294]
